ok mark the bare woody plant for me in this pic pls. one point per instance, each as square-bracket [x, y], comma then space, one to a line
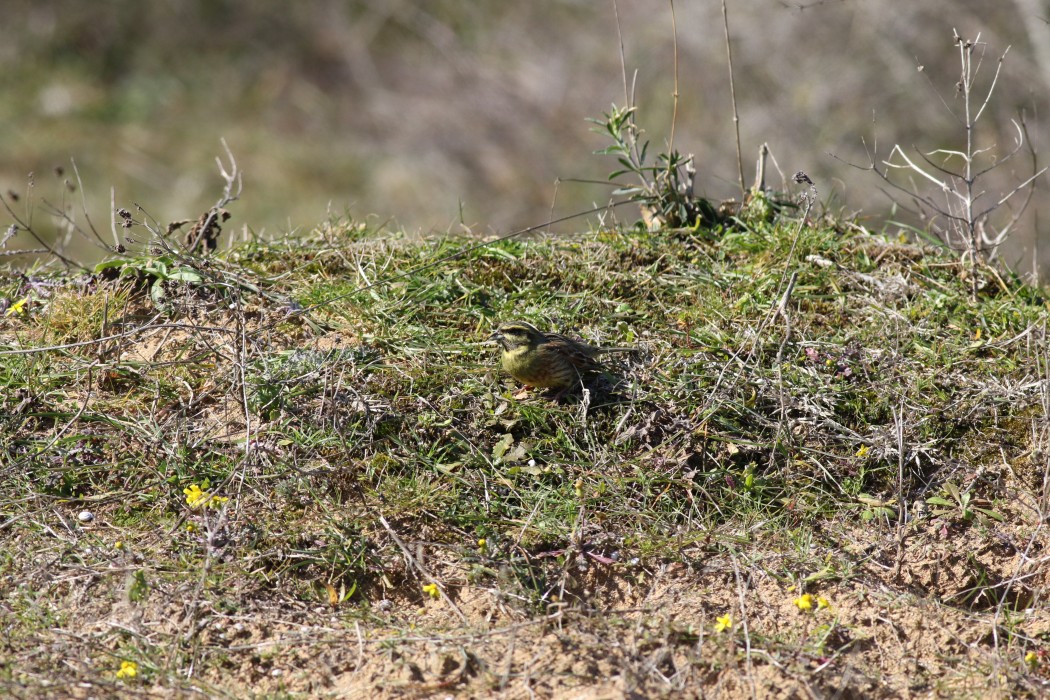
[946, 185]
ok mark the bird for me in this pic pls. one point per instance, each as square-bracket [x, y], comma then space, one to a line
[547, 360]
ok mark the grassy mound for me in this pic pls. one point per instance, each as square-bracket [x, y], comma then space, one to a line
[294, 469]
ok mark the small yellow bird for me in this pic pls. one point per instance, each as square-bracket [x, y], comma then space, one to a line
[547, 360]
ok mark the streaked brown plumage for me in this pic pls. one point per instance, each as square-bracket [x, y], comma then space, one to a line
[547, 360]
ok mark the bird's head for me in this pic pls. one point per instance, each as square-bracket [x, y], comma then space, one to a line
[517, 335]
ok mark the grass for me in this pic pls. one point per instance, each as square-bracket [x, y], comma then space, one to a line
[804, 395]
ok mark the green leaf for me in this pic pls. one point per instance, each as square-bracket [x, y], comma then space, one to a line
[994, 515]
[156, 292]
[501, 447]
[110, 264]
[186, 274]
[137, 587]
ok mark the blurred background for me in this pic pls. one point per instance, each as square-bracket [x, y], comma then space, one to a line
[440, 114]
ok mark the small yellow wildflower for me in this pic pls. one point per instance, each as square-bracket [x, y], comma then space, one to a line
[17, 308]
[863, 451]
[481, 543]
[822, 603]
[118, 545]
[723, 623]
[128, 669]
[190, 527]
[431, 590]
[1031, 659]
[804, 602]
[196, 497]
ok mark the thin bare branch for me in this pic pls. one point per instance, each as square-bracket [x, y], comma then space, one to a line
[991, 88]
[732, 95]
[674, 96]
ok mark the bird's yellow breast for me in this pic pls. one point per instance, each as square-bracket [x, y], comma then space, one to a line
[529, 366]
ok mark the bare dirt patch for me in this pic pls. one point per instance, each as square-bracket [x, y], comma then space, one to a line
[617, 630]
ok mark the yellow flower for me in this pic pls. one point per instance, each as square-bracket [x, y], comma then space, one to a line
[431, 590]
[723, 623]
[822, 603]
[196, 497]
[17, 308]
[1031, 659]
[481, 543]
[190, 527]
[804, 602]
[863, 451]
[118, 545]
[128, 669]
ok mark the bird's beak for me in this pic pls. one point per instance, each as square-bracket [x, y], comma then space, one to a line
[497, 336]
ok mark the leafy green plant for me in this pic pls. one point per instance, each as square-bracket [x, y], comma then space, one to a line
[876, 509]
[955, 503]
[663, 189]
[159, 269]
